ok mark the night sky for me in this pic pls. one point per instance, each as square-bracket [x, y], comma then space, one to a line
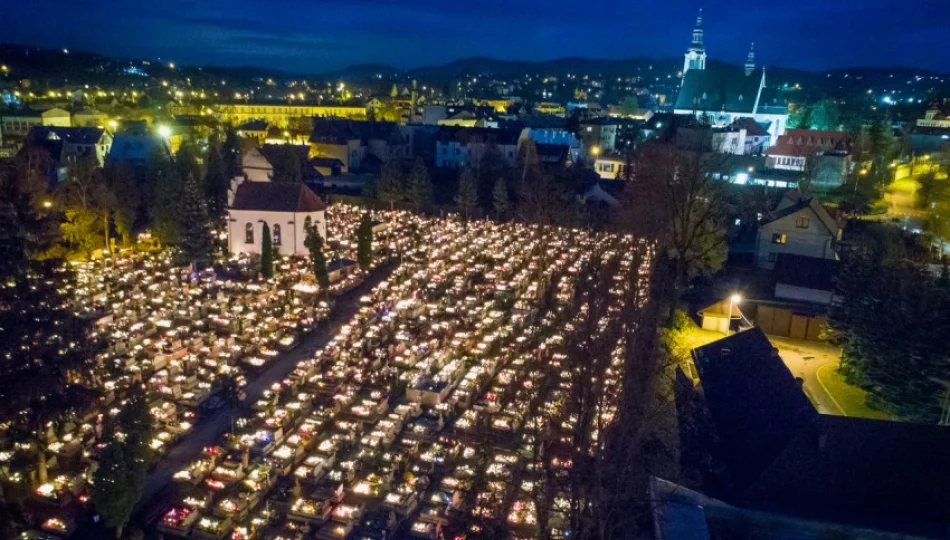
[322, 35]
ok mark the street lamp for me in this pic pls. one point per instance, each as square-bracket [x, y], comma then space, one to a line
[47, 204]
[595, 150]
[165, 131]
[733, 300]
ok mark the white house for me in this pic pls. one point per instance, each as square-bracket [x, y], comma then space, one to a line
[286, 208]
[798, 226]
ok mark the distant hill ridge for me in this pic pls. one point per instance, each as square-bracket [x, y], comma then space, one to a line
[55, 65]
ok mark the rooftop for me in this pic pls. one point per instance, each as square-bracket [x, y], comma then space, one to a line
[271, 197]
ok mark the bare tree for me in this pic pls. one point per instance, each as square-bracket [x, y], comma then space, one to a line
[673, 202]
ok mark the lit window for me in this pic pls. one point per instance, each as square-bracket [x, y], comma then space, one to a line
[779, 238]
[802, 222]
[249, 233]
[276, 234]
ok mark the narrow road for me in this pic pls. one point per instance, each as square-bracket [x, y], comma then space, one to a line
[803, 359]
[207, 431]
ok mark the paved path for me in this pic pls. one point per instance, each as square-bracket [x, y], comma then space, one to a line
[804, 358]
[207, 431]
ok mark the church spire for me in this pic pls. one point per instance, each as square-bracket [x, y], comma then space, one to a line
[698, 33]
[750, 61]
[696, 54]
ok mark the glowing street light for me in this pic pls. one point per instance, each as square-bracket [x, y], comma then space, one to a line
[595, 150]
[165, 131]
[733, 300]
[47, 204]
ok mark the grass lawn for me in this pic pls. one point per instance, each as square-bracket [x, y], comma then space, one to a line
[850, 398]
[688, 338]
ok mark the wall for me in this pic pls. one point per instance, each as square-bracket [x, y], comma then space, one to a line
[290, 223]
[351, 154]
[785, 322]
[812, 241]
[803, 294]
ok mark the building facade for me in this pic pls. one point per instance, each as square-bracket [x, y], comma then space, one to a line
[286, 209]
[282, 115]
[458, 147]
[720, 95]
[799, 226]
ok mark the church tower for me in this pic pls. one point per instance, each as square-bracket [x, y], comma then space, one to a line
[750, 61]
[696, 55]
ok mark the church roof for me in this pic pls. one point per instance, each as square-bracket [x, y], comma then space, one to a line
[719, 88]
[271, 197]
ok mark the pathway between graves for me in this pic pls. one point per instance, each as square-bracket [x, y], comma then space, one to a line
[210, 428]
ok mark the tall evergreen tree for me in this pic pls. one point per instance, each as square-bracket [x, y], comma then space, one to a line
[287, 166]
[42, 341]
[419, 186]
[466, 196]
[500, 200]
[318, 259]
[165, 192]
[216, 183]
[391, 189]
[112, 489]
[892, 326]
[196, 241]
[364, 242]
[267, 253]
[122, 182]
[231, 152]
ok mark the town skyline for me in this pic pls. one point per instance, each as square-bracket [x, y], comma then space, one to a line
[810, 36]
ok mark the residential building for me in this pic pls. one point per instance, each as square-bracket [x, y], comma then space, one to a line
[599, 133]
[351, 142]
[462, 146]
[785, 469]
[135, 147]
[929, 139]
[56, 117]
[555, 155]
[15, 123]
[555, 109]
[823, 155]
[744, 136]
[610, 166]
[67, 144]
[558, 136]
[286, 208]
[253, 129]
[283, 114]
[90, 118]
[805, 279]
[934, 118]
[798, 226]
